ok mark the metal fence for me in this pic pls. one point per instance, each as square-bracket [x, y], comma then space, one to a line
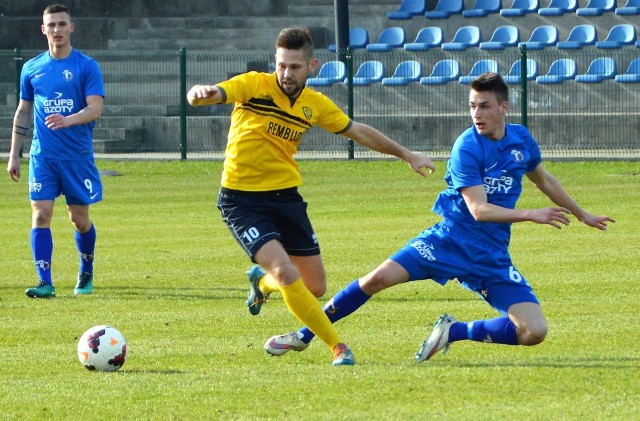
[146, 116]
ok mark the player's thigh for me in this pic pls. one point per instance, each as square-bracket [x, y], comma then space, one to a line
[312, 272]
[81, 182]
[530, 321]
[386, 275]
[44, 179]
[273, 258]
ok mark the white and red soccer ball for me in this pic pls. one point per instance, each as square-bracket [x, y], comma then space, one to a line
[102, 348]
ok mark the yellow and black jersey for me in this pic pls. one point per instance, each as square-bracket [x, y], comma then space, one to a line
[266, 129]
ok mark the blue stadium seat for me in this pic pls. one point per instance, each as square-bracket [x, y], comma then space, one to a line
[358, 38]
[521, 8]
[483, 8]
[503, 37]
[445, 8]
[371, 71]
[632, 7]
[559, 8]
[579, 36]
[465, 37]
[409, 9]
[560, 70]
[405, 73]
[632, 75]
[330, 72]
[443, 72]
[389, 38]
[480, 67]
[597, 8]
[600, 69]
[619, 35]
[428, 37]
[541, 37]
[514, 76]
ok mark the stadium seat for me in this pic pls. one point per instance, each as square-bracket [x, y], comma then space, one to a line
[443, 72]
[514, 76]
[560, 70]
[632, 75]
[409, 9]
[503, 37]
[330, 72]
[619, 35]
[445, 8]
[541, 37]
[406, 72]
[558, 8]
[579, 36]
[358, 38]
[389, 38]
[632, 7]
[428, 37]
[597, 8]
[465, 37]
[521, 8]
[371, 71]
[600, 69]
[483, 8]
[480, 67]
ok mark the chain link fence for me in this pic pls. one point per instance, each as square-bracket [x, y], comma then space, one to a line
[146, 116]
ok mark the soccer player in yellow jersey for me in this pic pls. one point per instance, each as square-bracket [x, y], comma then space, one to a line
[259, 199]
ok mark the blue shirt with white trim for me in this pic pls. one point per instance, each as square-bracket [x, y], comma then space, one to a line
[61, 87]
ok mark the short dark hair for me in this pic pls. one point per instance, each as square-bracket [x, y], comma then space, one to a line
[491, 82]
[56, 8]
[296, 39]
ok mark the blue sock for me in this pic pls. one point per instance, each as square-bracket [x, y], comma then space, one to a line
[500, 330]
[42, 248]
[86, 244]
[341, 305]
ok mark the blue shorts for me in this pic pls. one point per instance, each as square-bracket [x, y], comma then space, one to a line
[255, 218]
[445, 252]
[79, 181]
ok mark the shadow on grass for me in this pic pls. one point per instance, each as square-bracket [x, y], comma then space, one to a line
[620, 363]
[153, 292]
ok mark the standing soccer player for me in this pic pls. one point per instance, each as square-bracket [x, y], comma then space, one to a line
[484, 181]
[62, 90]
[259, 199]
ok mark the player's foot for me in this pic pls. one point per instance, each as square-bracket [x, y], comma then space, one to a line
[342, 355]
[84, 285]
[256, 298]
[281, 344]
[42, 290]
[439, 338]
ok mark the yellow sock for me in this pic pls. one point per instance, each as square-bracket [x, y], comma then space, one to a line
[268, 284]
[307, 309]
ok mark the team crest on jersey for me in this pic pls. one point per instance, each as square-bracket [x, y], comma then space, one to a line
[67, 75]
[307, 112]
[517, 155]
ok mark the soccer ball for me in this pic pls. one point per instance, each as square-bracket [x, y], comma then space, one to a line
[102, 348]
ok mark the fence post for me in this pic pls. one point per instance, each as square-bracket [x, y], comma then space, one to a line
[183, 103]
[523, 85]
[17, 58]
[349, 57]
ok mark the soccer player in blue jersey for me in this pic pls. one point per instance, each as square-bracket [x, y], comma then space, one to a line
[63, 92]
[484, 181]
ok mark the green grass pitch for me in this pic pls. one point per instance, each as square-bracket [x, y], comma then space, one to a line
[171, 279]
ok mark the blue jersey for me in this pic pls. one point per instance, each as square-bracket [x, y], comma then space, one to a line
[61, 87]
[499, 166]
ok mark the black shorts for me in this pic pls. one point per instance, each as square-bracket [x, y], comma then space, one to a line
[255, 218]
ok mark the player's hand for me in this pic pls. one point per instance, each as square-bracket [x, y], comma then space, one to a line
[556, 217]
[55, 121]
[13, 168]
[417, 161]
[599, 222]
[203, 91]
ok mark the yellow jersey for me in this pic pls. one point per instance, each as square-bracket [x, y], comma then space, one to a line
[266, 129]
